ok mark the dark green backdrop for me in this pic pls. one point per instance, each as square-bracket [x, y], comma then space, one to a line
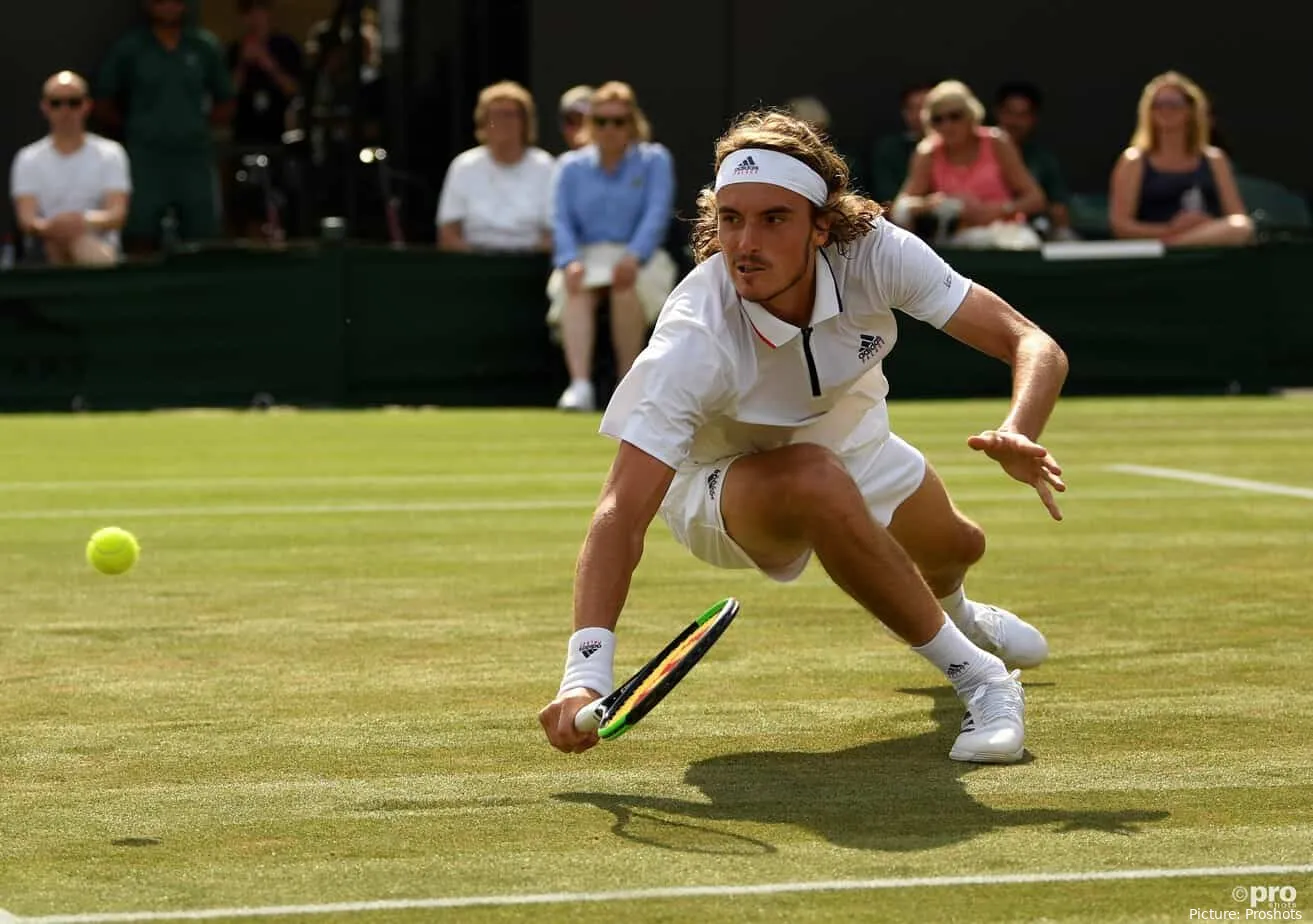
[372, 325]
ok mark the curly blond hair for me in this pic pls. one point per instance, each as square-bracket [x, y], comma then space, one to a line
[851, 215]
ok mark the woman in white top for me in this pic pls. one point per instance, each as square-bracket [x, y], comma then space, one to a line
[497, 197]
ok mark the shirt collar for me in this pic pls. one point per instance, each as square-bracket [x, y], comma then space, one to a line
[775, 332]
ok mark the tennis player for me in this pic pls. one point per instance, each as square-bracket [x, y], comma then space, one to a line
[755, 424]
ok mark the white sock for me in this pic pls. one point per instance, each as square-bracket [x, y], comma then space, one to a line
[965, 665]
[957, 606]
[581, 383]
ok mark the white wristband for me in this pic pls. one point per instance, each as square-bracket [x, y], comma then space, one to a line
[589, 661]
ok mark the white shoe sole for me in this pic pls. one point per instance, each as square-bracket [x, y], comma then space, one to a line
[975, 757]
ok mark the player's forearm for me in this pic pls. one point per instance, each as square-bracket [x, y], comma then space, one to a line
[605, 569]
[1039, 369]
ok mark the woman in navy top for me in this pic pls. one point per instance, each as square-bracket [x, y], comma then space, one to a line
[611, 211]
[1171, 184]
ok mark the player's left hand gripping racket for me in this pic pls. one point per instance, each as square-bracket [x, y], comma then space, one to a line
[613, 715]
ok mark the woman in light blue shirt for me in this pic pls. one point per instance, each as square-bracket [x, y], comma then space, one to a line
[611, 211]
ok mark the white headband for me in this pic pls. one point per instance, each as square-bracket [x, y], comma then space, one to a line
[756, 165]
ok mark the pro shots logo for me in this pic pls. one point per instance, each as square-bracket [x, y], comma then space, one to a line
[1268, 902]
[1262, 903]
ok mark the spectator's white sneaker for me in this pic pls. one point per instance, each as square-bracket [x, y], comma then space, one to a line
[578, 397]
[994, 729]
[1015, 641]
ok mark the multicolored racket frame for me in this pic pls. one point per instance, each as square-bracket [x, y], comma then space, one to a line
[639, 695]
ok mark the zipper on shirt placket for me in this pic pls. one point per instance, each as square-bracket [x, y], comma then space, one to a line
[811, 362]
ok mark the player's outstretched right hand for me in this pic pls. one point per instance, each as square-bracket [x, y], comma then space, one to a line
[557, 720]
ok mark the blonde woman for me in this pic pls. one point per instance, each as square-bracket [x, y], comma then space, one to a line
[1171, 184]
[611, 211]
[970, 174]
[497, 197]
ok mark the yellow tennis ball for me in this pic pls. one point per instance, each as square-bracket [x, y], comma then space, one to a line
[112, 550]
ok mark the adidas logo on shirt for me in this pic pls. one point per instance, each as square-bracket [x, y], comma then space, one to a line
[746, 167]
[869, 346]
[588, 649]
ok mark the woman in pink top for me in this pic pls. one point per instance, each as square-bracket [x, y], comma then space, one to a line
[964, 170]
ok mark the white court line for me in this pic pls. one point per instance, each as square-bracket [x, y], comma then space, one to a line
[365, 481]
[1217, 481]
[479, 506]
[709, 891]
[471, 506]
[316, 481]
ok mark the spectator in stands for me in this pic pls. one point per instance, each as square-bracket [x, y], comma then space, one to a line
[812, 111]
[573, 113]
[894, 152]
[1171, 184]
[1017, 108]
[611, 213]
[336, 96]
[71, 188]
[266, 75]
[497, 196]
[968, 180]
[166, 83]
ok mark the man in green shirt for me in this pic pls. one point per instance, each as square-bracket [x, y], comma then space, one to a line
[1017, 107]
[893, 152]
[167, 84]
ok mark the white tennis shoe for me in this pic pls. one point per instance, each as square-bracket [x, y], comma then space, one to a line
[994, 728]
[578, 397]
[1015, 641]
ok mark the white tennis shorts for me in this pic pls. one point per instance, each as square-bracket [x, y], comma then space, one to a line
[886, 474]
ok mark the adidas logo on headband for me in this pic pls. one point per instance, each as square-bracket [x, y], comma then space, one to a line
[746, 167]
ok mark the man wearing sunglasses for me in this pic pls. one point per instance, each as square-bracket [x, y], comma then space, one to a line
[167, 84]
[71, 188]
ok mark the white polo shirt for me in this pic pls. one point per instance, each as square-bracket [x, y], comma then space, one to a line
[723, 376]
[74, 182]
[500, 206]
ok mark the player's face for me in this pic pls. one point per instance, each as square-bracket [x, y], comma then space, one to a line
[768, 238]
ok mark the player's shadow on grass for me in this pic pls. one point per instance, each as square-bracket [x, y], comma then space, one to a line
[898, 795]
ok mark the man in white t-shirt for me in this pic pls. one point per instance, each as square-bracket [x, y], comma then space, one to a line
[71, 188]
[755, 424]
[497, 197]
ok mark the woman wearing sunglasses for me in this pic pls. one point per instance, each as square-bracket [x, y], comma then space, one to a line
[1171, 184]
[611, 212]
[967, 181]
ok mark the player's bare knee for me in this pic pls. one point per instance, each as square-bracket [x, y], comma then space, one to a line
[971, 543]
[812, 479]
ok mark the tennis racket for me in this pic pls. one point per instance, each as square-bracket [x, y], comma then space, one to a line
[613, 715]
